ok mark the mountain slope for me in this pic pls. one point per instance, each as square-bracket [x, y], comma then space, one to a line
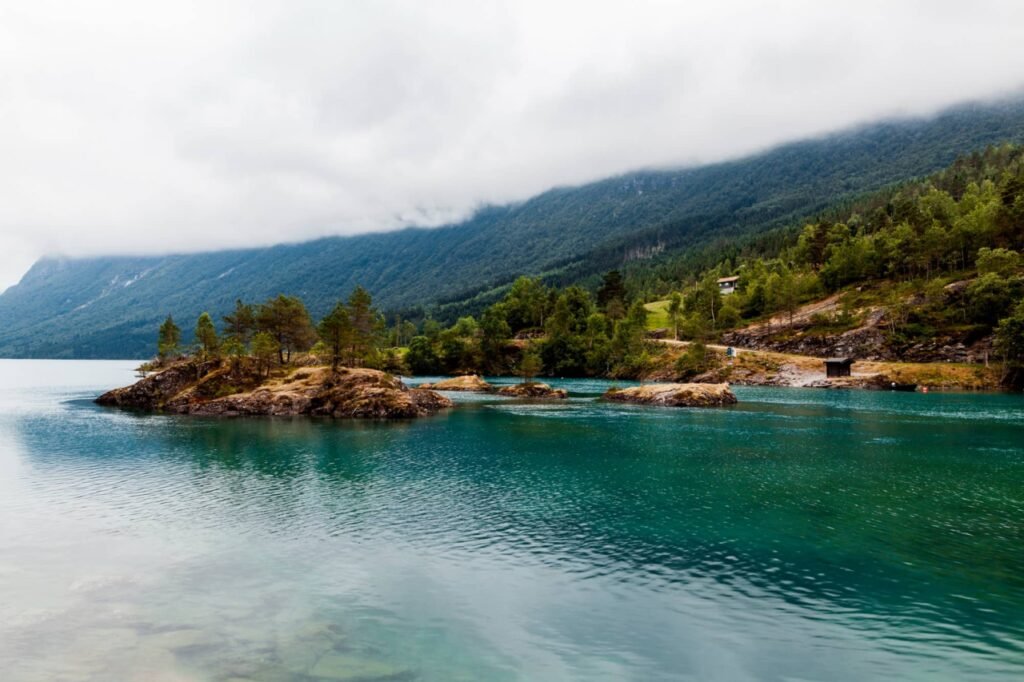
[109, 307]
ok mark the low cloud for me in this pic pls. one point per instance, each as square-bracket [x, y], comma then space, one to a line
[150, 128]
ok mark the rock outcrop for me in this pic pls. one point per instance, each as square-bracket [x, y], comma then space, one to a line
[156, 389]
[467, 382]
[317, 392]
[534, 389]
[675, 395]
[871, 340]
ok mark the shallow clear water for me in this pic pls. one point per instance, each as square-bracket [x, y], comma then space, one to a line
[801, 535]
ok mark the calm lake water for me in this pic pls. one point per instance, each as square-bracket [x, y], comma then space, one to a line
[801, 535]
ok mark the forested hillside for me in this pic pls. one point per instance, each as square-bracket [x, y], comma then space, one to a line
[930, 271]
[927, 271]
[109, 307]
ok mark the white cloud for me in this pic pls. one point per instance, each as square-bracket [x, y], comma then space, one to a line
[145, 128]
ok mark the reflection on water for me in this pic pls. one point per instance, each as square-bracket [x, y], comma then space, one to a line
[798, 535]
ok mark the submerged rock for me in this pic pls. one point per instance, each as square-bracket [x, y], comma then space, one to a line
[534, 389]
[320, 391]
[467, 382]
[337, 666]
[675, 395]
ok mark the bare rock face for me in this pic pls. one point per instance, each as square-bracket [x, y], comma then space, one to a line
[156, 389]
[534, 389]
[467, 382]
[319, 391]
[675, 395]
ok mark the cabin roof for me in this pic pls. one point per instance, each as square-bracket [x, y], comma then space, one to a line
[726, 280]
[838, 361]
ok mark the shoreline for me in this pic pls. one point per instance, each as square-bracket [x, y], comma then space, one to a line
[752, 367]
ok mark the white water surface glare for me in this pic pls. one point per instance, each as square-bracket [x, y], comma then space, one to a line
[799, 535]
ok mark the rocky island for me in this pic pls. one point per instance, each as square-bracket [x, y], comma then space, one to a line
[533, 389]
[213, 388]
[675, 395]
[475, 384]
[466, 382]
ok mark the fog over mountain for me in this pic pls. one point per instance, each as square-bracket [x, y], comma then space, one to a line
[138, 128]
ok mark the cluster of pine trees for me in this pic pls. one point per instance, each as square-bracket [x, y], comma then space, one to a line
[533, 329]
[566, 332]
[271, 332]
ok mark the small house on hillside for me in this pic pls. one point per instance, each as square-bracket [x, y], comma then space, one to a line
[727, 285]
[838, 367]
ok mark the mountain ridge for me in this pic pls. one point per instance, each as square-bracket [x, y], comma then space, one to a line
[108, 306]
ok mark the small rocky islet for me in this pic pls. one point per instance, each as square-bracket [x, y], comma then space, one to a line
[675, 395]
[474, 383]
[215, 388]
[535, 390]
[467, 382]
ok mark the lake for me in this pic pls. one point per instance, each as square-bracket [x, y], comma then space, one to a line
[800, 535]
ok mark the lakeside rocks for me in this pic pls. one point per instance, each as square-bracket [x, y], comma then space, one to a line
[675, 395]
[467, 382]
[868, 341]
[319, 392]
[153, 391]
[534, 389]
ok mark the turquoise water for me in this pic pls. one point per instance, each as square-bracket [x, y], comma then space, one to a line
[800, 535]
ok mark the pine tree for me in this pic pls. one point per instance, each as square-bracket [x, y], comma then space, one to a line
[285, 318]
[611, 296]
[168, 339]
[364, 321]
[529, 366]
[675, 311]
[337, 332]
[264, 348]
[206, 336]
[233, 349]
[241, 323]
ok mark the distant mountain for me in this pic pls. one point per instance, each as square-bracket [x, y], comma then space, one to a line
[110, 306]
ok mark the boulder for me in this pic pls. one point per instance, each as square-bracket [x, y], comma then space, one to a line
[533, 389]
[675, 395]
[467, 382]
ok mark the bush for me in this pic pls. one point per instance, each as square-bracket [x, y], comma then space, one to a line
[421, 357]
[1009, 342]
[989, 298]
[696, 360]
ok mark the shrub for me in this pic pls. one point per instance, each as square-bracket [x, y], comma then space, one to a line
[696, 360]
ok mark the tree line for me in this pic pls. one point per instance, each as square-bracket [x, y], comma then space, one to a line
[533, 329]
[558, 332]
[272, 332]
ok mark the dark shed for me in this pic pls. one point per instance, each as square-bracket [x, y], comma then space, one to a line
[838, 367]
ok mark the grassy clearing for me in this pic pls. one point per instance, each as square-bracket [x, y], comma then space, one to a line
[936, 374]
[657, 314]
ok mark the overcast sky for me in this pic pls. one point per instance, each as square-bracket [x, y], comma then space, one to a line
[131, 127]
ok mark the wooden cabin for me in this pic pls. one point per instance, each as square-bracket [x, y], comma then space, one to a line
[838, 367]
[727, 285]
